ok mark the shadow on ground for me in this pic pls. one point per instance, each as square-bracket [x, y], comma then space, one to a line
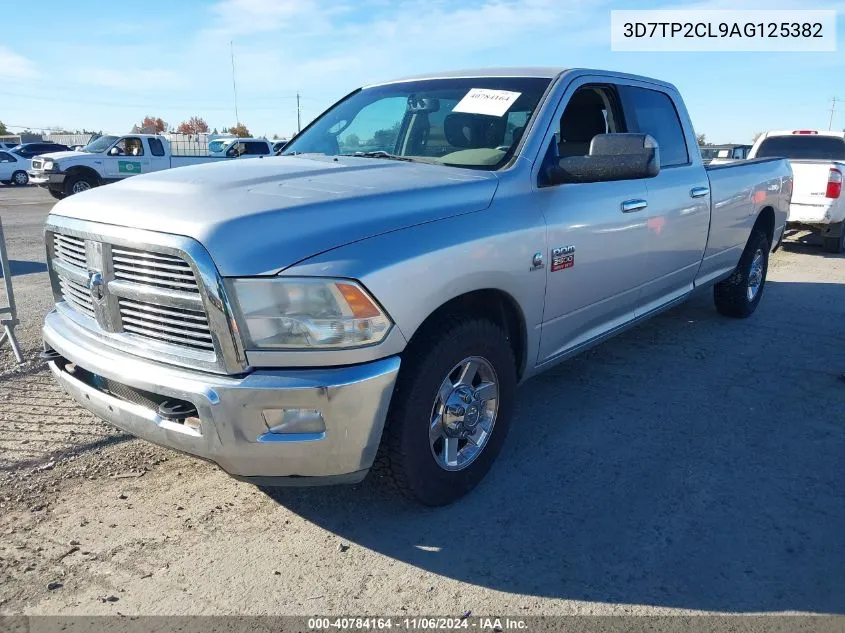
[694, 462]
[19, 267]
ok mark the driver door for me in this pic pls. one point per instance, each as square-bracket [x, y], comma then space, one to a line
[597, 237]
[126, 158]
[8, 165]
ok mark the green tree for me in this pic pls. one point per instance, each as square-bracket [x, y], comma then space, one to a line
[3, 129]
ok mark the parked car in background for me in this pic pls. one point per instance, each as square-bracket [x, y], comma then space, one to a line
[279, 145]
[818, 164]
[6, 145]
[236, 147]
[13, 169]
[30, 150]
[104, 160]
[291, 318]
[718, 154]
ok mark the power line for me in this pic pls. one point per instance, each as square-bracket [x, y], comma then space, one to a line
[832, 111]
[160, 106]
[234, 86]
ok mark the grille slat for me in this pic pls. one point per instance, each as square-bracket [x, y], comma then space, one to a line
[77, 295]
[165, 336]
[156, 319]
[153, 269]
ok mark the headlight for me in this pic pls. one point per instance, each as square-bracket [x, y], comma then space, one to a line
[291, 313]
[48, 165]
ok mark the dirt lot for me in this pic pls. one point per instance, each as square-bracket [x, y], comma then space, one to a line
[694, 464]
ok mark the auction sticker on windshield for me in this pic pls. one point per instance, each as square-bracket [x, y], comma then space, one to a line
[485, 101]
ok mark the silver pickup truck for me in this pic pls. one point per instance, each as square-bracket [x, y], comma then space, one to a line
[374, 295]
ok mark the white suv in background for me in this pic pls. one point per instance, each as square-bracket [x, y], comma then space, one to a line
[818, 163]
[234, 147]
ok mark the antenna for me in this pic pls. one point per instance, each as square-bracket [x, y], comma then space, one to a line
[298, 117]
[234, 85]
[832, 111]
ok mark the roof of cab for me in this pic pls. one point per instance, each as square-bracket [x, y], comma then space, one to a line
[542, 72]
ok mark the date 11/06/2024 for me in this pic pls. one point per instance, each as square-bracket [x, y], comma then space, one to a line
[417, 623]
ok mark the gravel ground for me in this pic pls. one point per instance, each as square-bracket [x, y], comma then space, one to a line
[692, 465]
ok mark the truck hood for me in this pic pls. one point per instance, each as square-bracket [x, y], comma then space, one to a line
[56, 156]
[259, 216]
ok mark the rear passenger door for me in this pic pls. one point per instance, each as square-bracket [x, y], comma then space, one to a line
[677, 217]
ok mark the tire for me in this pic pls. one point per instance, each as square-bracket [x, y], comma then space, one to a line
[408, 456]
[738, 296]
[20, 178]
[835, 244]
[5, 182]
[78, 183]
[58, 195]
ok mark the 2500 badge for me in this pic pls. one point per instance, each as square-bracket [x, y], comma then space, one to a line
[563, 257]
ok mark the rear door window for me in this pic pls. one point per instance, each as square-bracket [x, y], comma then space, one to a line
[652, 112]
[156, 147]
[256, 148]
[803, 146]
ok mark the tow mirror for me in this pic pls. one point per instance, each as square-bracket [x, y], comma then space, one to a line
[612, 157]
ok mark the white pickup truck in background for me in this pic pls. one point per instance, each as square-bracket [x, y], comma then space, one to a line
[109, 159]
[818, 162]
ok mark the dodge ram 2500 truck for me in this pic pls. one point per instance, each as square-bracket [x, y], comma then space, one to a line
[383, 286]
[107, 159]
[818, 162]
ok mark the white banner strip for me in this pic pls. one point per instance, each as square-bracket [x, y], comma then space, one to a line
[718, 30]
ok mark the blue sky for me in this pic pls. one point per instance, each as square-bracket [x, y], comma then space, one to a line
[104, 64]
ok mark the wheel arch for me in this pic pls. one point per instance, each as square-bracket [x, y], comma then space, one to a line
[489, 303]
[83, 170]
[766, 222]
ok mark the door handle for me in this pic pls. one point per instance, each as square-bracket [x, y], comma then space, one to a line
[698, 192]
[630, 206]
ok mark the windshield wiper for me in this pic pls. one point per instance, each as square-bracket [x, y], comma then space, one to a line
[381, 154]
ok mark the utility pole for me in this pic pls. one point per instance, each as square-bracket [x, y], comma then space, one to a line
[234, 85]
[832, 110]
[298, 115]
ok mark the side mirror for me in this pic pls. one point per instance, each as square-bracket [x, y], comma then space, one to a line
[114, 151]
[612, 157]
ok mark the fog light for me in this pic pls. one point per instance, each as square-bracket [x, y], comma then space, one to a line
[283, 421]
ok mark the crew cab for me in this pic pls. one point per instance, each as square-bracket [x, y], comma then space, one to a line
[104, 160]
[383, 286]
[818, 162]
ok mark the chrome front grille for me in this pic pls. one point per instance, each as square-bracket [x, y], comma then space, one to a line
[149, 300]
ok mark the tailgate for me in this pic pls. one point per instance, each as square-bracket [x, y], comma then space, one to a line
[810, 180]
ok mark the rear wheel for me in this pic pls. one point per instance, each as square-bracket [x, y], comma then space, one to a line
[738, 295]
[78, 183]
[20, 178]
[835, 244]
[450, 410]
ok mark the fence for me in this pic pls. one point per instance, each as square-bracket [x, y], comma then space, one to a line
[69, 139]
[8, 314]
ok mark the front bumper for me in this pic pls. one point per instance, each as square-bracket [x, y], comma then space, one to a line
[232, 429]
[46, 178]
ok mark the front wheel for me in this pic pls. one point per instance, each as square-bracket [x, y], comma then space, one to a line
[20, 178]
[450, 410]
[58, 195]
[78, 183]
[738, 295]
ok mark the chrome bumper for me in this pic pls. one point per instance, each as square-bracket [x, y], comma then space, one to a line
[45, 178]
[232, 430]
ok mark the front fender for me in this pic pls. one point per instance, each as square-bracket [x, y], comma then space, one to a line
[414, 271]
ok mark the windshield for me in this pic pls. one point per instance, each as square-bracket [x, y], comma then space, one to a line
[803, 146]
[219, 146]
[473, 122]
[100, 145]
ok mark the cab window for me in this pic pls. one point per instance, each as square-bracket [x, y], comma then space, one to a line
[129, 146]
[591, 111]
[6, 157]
[156, 147]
